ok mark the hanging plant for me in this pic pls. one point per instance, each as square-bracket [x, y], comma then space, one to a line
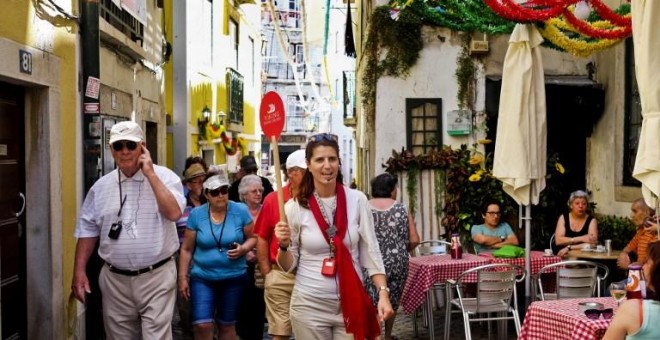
[465, 75]
[411, 188]
[392, 49]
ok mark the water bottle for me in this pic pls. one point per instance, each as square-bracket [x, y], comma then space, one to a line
[636, 283]
[456, 249]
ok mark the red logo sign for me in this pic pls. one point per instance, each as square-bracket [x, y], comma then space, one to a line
[272, 115]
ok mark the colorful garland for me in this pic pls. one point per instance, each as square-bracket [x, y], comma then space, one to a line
[554, 33]
[462, 16]
[511, 10]
[614, 17]
[590, 30]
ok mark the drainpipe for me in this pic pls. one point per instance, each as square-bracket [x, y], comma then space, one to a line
[92, 145]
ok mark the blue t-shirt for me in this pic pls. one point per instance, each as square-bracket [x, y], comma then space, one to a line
[209, 263]
[503, 229]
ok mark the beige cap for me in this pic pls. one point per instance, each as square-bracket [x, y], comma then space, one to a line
[193, 171]
[126, 130]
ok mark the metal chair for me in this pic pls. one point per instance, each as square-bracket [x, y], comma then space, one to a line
[552, 242]
[575, 279]
[431, 247]
[496, 285]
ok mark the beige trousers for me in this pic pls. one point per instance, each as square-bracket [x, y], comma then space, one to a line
[139, 307]
[315, 318]
[278, 286]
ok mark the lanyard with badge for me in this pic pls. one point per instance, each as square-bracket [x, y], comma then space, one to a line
[328, 267]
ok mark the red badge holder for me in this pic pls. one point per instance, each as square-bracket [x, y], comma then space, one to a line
[329, 267]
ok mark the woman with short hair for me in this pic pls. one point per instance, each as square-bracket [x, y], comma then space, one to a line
[576, 228]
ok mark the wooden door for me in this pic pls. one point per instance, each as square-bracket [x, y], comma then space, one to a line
[13, 316]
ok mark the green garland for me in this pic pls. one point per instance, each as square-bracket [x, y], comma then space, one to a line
[461, 16]
[465, 70]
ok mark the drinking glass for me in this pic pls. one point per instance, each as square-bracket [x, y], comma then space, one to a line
[618, 291]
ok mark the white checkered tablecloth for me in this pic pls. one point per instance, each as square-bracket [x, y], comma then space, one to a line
[425, 271]
[538, 260]
[562, 319]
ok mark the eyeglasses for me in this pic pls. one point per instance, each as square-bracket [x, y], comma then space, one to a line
[256, 191]
[594, 314]
[199, 180]
[494, 213]
[221, 190]
[120, 144]
[328, 137]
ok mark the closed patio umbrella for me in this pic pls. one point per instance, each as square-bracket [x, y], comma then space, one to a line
[647, 64]
[520, 147]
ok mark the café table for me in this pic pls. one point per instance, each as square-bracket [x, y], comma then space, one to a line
[538, 260]
[593, 255]
[425, 271]
[562, 319]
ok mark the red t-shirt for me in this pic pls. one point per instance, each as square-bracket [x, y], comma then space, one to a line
[268, 217]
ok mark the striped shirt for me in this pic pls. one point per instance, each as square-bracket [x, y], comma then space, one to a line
[640, 243]
[146, 236]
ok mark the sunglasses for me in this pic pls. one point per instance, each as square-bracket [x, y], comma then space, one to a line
[328, 137]
[493, 213]
[119, 145]
[594, 314]
[221, 190]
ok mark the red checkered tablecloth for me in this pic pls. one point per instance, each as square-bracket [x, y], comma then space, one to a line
[425, 271]
[538, 260]
[562, 319]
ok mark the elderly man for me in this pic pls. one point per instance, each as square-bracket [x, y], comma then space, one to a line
[279, 283]
[248, 167]
[640, 243]
[131, 212]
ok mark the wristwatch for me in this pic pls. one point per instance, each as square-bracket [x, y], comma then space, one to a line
[283, 248]
[385, 288]
[502, 238]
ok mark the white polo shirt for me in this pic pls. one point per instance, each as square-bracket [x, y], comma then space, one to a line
[147, 236]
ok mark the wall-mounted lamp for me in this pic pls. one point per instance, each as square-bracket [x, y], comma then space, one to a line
[206, 113]
[221, 117]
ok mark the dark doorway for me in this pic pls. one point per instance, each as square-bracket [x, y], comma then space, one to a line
[12, 213]
[572, 110]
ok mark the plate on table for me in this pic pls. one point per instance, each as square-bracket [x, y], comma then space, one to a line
[599, 251]
[587, 250]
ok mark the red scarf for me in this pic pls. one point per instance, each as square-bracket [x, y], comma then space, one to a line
[356, 306]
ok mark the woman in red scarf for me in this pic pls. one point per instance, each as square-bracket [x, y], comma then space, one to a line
[330, 235]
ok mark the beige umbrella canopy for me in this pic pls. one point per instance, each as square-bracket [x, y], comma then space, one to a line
[646, 28]
[520, 146]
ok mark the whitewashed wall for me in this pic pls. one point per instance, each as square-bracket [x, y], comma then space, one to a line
[428, 223]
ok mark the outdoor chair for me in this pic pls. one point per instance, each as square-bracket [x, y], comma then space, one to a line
[552, 242]
[574, 279]
[431, 247]
[496, 285]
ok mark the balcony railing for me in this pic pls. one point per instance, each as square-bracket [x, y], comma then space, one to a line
[286, 19]
[301, 124]
[280, 70]
[122, 20]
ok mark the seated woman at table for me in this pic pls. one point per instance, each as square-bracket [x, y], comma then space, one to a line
[636, 318]
[576, 228]
[493, 234]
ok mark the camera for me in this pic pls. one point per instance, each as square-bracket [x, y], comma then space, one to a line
[115, 230]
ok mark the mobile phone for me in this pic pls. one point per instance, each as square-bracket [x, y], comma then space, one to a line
[649, 222]
[233, 246]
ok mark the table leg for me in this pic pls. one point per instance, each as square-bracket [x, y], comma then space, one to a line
[429, 314]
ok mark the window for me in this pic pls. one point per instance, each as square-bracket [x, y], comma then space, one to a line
[252, 61]
[235, 95]
[349, 94]
[633, 118]
[233, 36]
[424, 124]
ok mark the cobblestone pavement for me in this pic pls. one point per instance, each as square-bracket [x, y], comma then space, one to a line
[404, 330]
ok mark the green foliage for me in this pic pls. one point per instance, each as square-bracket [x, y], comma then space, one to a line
[411, 188]
[618, 229]
[465, 75]
[392, 49]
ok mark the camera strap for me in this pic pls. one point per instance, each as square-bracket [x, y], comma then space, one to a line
[121, 201]
[218, 241]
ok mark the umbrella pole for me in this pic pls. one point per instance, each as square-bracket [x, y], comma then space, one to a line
[528, 255]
